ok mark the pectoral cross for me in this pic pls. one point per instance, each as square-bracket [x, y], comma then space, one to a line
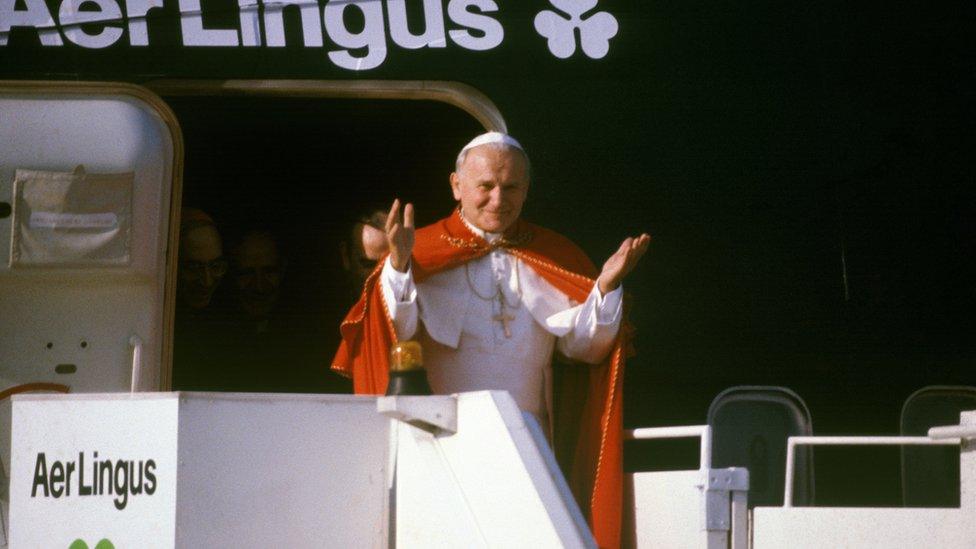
[501, 316]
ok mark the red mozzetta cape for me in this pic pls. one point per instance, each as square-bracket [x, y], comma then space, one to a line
[588, 405]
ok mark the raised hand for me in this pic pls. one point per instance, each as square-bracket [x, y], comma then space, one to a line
[622, 262]
[399, 235]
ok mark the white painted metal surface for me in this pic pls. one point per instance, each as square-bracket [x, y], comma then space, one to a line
[802, 527]
[890, 528]
[77, 432]
[231, 470]
[494, 483]
[136, 384]
[83, 317]
[255, 470]
[676, 509]
[436, 414]
[951, 432]
[100, 307]
[667, 510]
[740, 520]
[967, 479]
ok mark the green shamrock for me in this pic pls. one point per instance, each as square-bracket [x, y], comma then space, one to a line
[102, 544]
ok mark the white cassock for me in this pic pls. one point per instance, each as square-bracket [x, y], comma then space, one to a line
[468, 348]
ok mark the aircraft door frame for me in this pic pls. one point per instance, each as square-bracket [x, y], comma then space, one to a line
[462, 96]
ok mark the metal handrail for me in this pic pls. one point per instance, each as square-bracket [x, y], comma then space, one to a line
[704, 432]
[793, 442]
[953, 431]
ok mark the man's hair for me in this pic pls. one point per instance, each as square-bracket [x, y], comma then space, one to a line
[499, 147]
[256, 234]
[193, 218]
[372, 215]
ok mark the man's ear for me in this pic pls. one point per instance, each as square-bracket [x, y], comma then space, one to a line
[456, 185]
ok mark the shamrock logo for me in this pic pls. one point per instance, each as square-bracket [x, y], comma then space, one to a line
[595, 31]
[102, 544]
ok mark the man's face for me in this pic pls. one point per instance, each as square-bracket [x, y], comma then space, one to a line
[491, 186]
[370, 247]
[201, 267]
[257, 274]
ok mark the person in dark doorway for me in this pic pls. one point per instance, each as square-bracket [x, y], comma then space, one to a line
[258, 272]
[491, 297]
[272, 342]
[200, 319]
[202, 265]
[364, 247]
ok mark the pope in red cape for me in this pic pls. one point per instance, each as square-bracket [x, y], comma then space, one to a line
[490, 183]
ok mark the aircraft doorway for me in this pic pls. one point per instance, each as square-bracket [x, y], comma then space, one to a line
[299, 172]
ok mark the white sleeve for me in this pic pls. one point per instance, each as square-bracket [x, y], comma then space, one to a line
[595, 327]
[400, 295]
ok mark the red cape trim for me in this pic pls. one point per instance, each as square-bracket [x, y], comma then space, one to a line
[588, 406]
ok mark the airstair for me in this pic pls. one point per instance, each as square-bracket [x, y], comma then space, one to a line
[467, 470]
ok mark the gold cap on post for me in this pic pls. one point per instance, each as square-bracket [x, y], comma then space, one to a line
[406, 356]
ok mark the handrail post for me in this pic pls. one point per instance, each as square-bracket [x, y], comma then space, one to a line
[790, 469]
[706, 447]
[136, 343]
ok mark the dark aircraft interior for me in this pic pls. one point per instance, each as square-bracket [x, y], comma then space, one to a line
[853, 292]
[306, 170]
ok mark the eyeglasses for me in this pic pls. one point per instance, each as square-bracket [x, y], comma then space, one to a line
[251, 272]
[196, 269]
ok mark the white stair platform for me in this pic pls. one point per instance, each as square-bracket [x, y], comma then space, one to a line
[273, 470]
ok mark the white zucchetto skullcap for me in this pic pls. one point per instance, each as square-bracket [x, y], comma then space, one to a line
[492, 137]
